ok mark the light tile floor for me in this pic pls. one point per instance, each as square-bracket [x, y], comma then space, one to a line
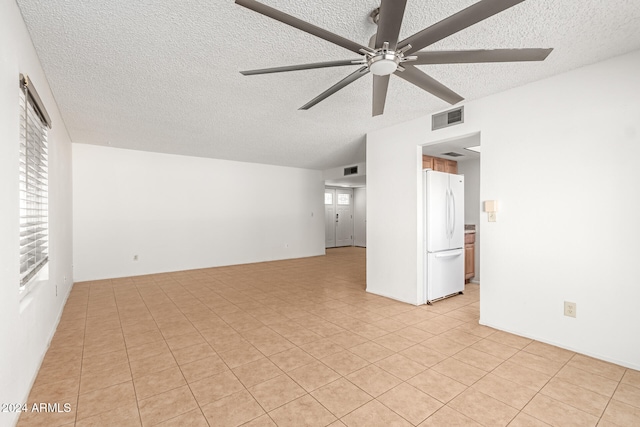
[300, 343]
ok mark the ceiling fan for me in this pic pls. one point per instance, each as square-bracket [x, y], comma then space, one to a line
[385, 55]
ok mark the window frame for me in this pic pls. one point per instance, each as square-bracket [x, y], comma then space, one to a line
[33, 193]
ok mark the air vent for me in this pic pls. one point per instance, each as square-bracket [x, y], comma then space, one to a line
[352, 170]
[452, 154]
[447, 118]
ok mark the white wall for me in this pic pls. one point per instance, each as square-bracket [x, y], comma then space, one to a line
[27, 323]
[560, 156]
[179, 212]
[393, 228]
[472, 206]
[360, 217]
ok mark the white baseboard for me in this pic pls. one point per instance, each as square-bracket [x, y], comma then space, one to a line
[44, 353]
[576, 350]
[391, 297]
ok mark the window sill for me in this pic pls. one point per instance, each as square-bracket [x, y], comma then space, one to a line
[27, 292]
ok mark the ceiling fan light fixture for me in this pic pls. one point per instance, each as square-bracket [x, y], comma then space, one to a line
[383, 67]
[383, 63]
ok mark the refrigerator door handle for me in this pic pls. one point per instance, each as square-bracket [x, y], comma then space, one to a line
[453, 216]
[449, 254]
[448, 214]
[450, 224]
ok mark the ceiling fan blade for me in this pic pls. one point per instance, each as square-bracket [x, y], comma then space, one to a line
[380, 86]
[300, 24]
[481, 55]
[391, 14]
[302, 67]
[336, 87]
[431, 85]
[465, 18]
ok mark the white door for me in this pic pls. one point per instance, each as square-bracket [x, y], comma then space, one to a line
[329, 218]
[344, 217]
[360, 217]
[438, 215]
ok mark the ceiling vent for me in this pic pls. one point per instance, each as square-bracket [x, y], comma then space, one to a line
[447, 118]
[351, 170]
[452, 154]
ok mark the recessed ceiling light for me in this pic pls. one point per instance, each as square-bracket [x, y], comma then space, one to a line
[476, 148]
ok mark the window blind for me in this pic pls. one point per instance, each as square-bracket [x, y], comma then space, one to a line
[34, 186]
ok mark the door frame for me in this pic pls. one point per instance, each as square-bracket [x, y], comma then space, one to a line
[351, 213]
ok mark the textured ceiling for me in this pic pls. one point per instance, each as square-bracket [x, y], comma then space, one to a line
[163, 76]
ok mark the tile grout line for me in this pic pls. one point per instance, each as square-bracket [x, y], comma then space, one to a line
[612, 395]
[173, 356]
[133, 385]
[84, 335]
[215, 351]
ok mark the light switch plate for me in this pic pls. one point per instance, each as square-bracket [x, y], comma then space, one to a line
[491, 216]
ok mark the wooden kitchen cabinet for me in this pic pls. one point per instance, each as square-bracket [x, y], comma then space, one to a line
[427, 162]
[451, 166]
[469, 256]
[440, 165]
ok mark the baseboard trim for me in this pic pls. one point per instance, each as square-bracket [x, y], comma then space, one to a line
[44, 353]
[570, 348]
[391, 297]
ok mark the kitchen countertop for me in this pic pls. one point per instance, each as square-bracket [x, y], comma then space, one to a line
[469, 228]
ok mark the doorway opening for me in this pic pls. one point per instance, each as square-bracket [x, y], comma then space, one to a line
[345, 217]
[345, 206]
[338, 217]
[461, 156]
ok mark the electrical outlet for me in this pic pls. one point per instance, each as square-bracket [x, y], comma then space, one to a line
[570, 309]
[492, 216]
[135, 257]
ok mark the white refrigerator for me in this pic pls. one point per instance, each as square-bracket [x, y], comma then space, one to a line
[444, 234]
